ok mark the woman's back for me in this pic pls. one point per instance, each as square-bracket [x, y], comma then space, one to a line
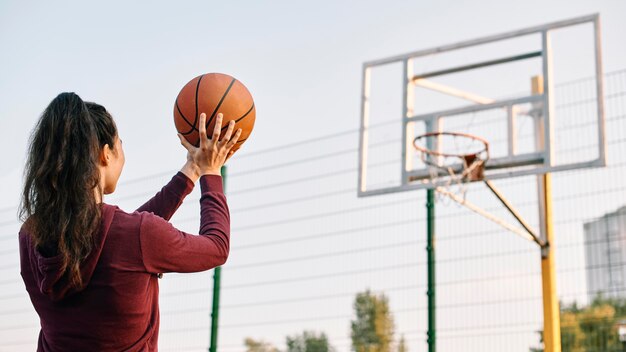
[117, 310]
[91, 269]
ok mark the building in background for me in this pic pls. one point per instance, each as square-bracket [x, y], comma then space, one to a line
[605, 253]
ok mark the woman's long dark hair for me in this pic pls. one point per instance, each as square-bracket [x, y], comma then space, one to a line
[59, 204]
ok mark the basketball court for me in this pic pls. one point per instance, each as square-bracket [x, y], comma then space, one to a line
[462, 164]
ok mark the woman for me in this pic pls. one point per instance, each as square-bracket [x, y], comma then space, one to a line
[91, 269]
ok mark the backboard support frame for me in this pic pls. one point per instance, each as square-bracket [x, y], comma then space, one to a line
[542, 111]
[511, 165]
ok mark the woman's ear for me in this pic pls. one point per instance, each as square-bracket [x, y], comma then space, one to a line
[105, 155]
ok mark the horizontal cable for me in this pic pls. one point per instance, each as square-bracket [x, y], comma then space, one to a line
[299, 143]
[377, 248]
[406, 310]
[468, 258]
[467, 304]
[239, 192]
[291, 182]
[477, 257]
[327, 234]
[324, 255]
[295, 200]
[292, 163]
[473, 327]
[322, 215]
[447, 216]
[32, 341]
[19, 327]
[380, 269]
[608, 97]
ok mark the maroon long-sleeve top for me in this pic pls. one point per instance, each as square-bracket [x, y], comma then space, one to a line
[118, 309]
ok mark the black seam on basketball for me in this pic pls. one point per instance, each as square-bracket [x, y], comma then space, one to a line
[241, 141]
[184, 118]
[187, 133]
[195, 120]
[220, 102]
[241, 118]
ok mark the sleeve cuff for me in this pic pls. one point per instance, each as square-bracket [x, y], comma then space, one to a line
[181, 184]
[211, 183]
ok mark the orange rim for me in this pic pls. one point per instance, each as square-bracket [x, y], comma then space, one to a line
[455, 134]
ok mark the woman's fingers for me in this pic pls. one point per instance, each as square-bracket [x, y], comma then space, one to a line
[229, 132]
[217, 129]
[202, 129]
[231, 143]
[185, 143]
[224, 145]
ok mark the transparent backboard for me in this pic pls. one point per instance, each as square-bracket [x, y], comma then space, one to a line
[508, 89]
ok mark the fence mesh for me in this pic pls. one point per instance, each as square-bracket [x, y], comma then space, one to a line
[303, 245]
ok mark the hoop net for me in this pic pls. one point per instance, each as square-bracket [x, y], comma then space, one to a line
[454, 159]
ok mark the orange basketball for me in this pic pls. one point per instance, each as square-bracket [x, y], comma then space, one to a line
[214, 93]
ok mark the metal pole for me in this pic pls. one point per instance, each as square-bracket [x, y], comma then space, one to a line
[551, 312]
[551, 316]
[217, 275]
[515, 214]
[216, 307]
[430, 250]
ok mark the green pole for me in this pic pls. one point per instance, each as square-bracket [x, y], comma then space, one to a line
[430, 250]
[217, 276]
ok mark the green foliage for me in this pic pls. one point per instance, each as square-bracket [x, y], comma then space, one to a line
[373, 328]
[258, 346]
[591, 328]
[572, 336]
[308, 342]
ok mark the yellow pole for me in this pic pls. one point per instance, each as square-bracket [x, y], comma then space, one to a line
[551, 312]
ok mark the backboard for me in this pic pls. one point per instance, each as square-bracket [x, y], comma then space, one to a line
[501, 88]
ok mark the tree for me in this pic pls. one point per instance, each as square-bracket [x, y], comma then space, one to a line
[308, 341]
[402, 345]
[598, 325]
[258, 346]
[591, 328]
[373, 328]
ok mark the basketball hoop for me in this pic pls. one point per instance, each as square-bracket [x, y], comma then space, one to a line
[459, 157]
[464, 162]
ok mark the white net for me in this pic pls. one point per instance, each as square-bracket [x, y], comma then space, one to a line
[453, 159]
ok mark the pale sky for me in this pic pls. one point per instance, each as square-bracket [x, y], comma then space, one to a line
[300, 60]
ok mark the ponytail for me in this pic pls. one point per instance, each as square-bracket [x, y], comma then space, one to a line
[61, 176]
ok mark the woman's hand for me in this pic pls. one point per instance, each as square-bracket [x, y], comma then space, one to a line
[210, 156]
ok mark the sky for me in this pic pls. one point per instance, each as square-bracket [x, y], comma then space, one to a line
[301, 60]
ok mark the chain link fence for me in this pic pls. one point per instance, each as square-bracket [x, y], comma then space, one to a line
[303, 246]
